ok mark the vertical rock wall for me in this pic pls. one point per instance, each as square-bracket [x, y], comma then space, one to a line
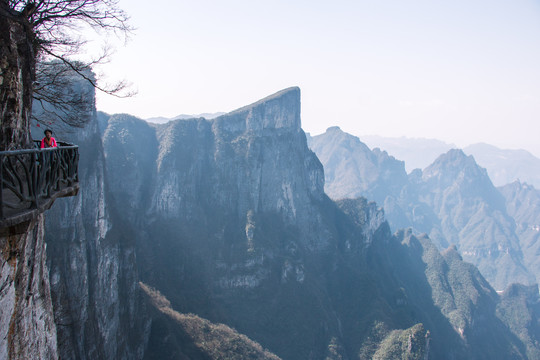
[27, 328]
[94, 278]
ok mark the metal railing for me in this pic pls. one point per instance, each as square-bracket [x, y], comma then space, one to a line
[31, 179]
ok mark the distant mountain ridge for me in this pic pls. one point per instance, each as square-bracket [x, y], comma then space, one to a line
[506, 166]
[503, 165]
[163, 120]
[417, 153]
[352, 169]
[453, 200]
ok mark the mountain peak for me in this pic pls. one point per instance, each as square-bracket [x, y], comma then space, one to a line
[333, 129]
[291, 92]
[279, 110]
[455, 168]
[454, 154]
[335, 136]
[453, 162]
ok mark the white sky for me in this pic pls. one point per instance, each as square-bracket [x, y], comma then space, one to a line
[463, 71]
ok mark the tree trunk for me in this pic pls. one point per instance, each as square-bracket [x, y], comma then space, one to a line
[17, 72]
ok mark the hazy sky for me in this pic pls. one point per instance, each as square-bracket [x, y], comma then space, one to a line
[460, 71]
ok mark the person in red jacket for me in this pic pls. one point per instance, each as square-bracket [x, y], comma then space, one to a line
[48, 141]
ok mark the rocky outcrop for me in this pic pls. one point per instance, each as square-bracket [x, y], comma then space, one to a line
[367, 216]
[411, 343]
[519, 307]
[27, 326]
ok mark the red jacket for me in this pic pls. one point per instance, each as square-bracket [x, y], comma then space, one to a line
[44, 143]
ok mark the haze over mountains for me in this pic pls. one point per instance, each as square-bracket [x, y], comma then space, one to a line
[417, 153]
[503, 165]
[199, 238]
[507, 166]
[163, 120]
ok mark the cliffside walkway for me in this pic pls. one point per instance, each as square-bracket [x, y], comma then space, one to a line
[32, 179]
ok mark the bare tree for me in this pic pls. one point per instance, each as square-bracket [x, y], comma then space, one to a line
[38, 42]
[62, 96]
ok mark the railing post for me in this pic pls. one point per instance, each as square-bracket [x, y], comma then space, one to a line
[52, 171]
[35, 179]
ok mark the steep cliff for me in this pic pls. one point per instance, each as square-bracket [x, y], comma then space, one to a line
[94, 308]
[230, 213]
[94, 282]
[230, 222]
[27, 326]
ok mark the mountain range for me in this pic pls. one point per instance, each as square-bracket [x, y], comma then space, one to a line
[163, 120]
[503, 165]
[417, 153]
[199, 238]
[453, 200]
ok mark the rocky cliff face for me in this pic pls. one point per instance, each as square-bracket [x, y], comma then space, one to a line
[230, 222]
[27, 326]
[250, 161]
[231, 207]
